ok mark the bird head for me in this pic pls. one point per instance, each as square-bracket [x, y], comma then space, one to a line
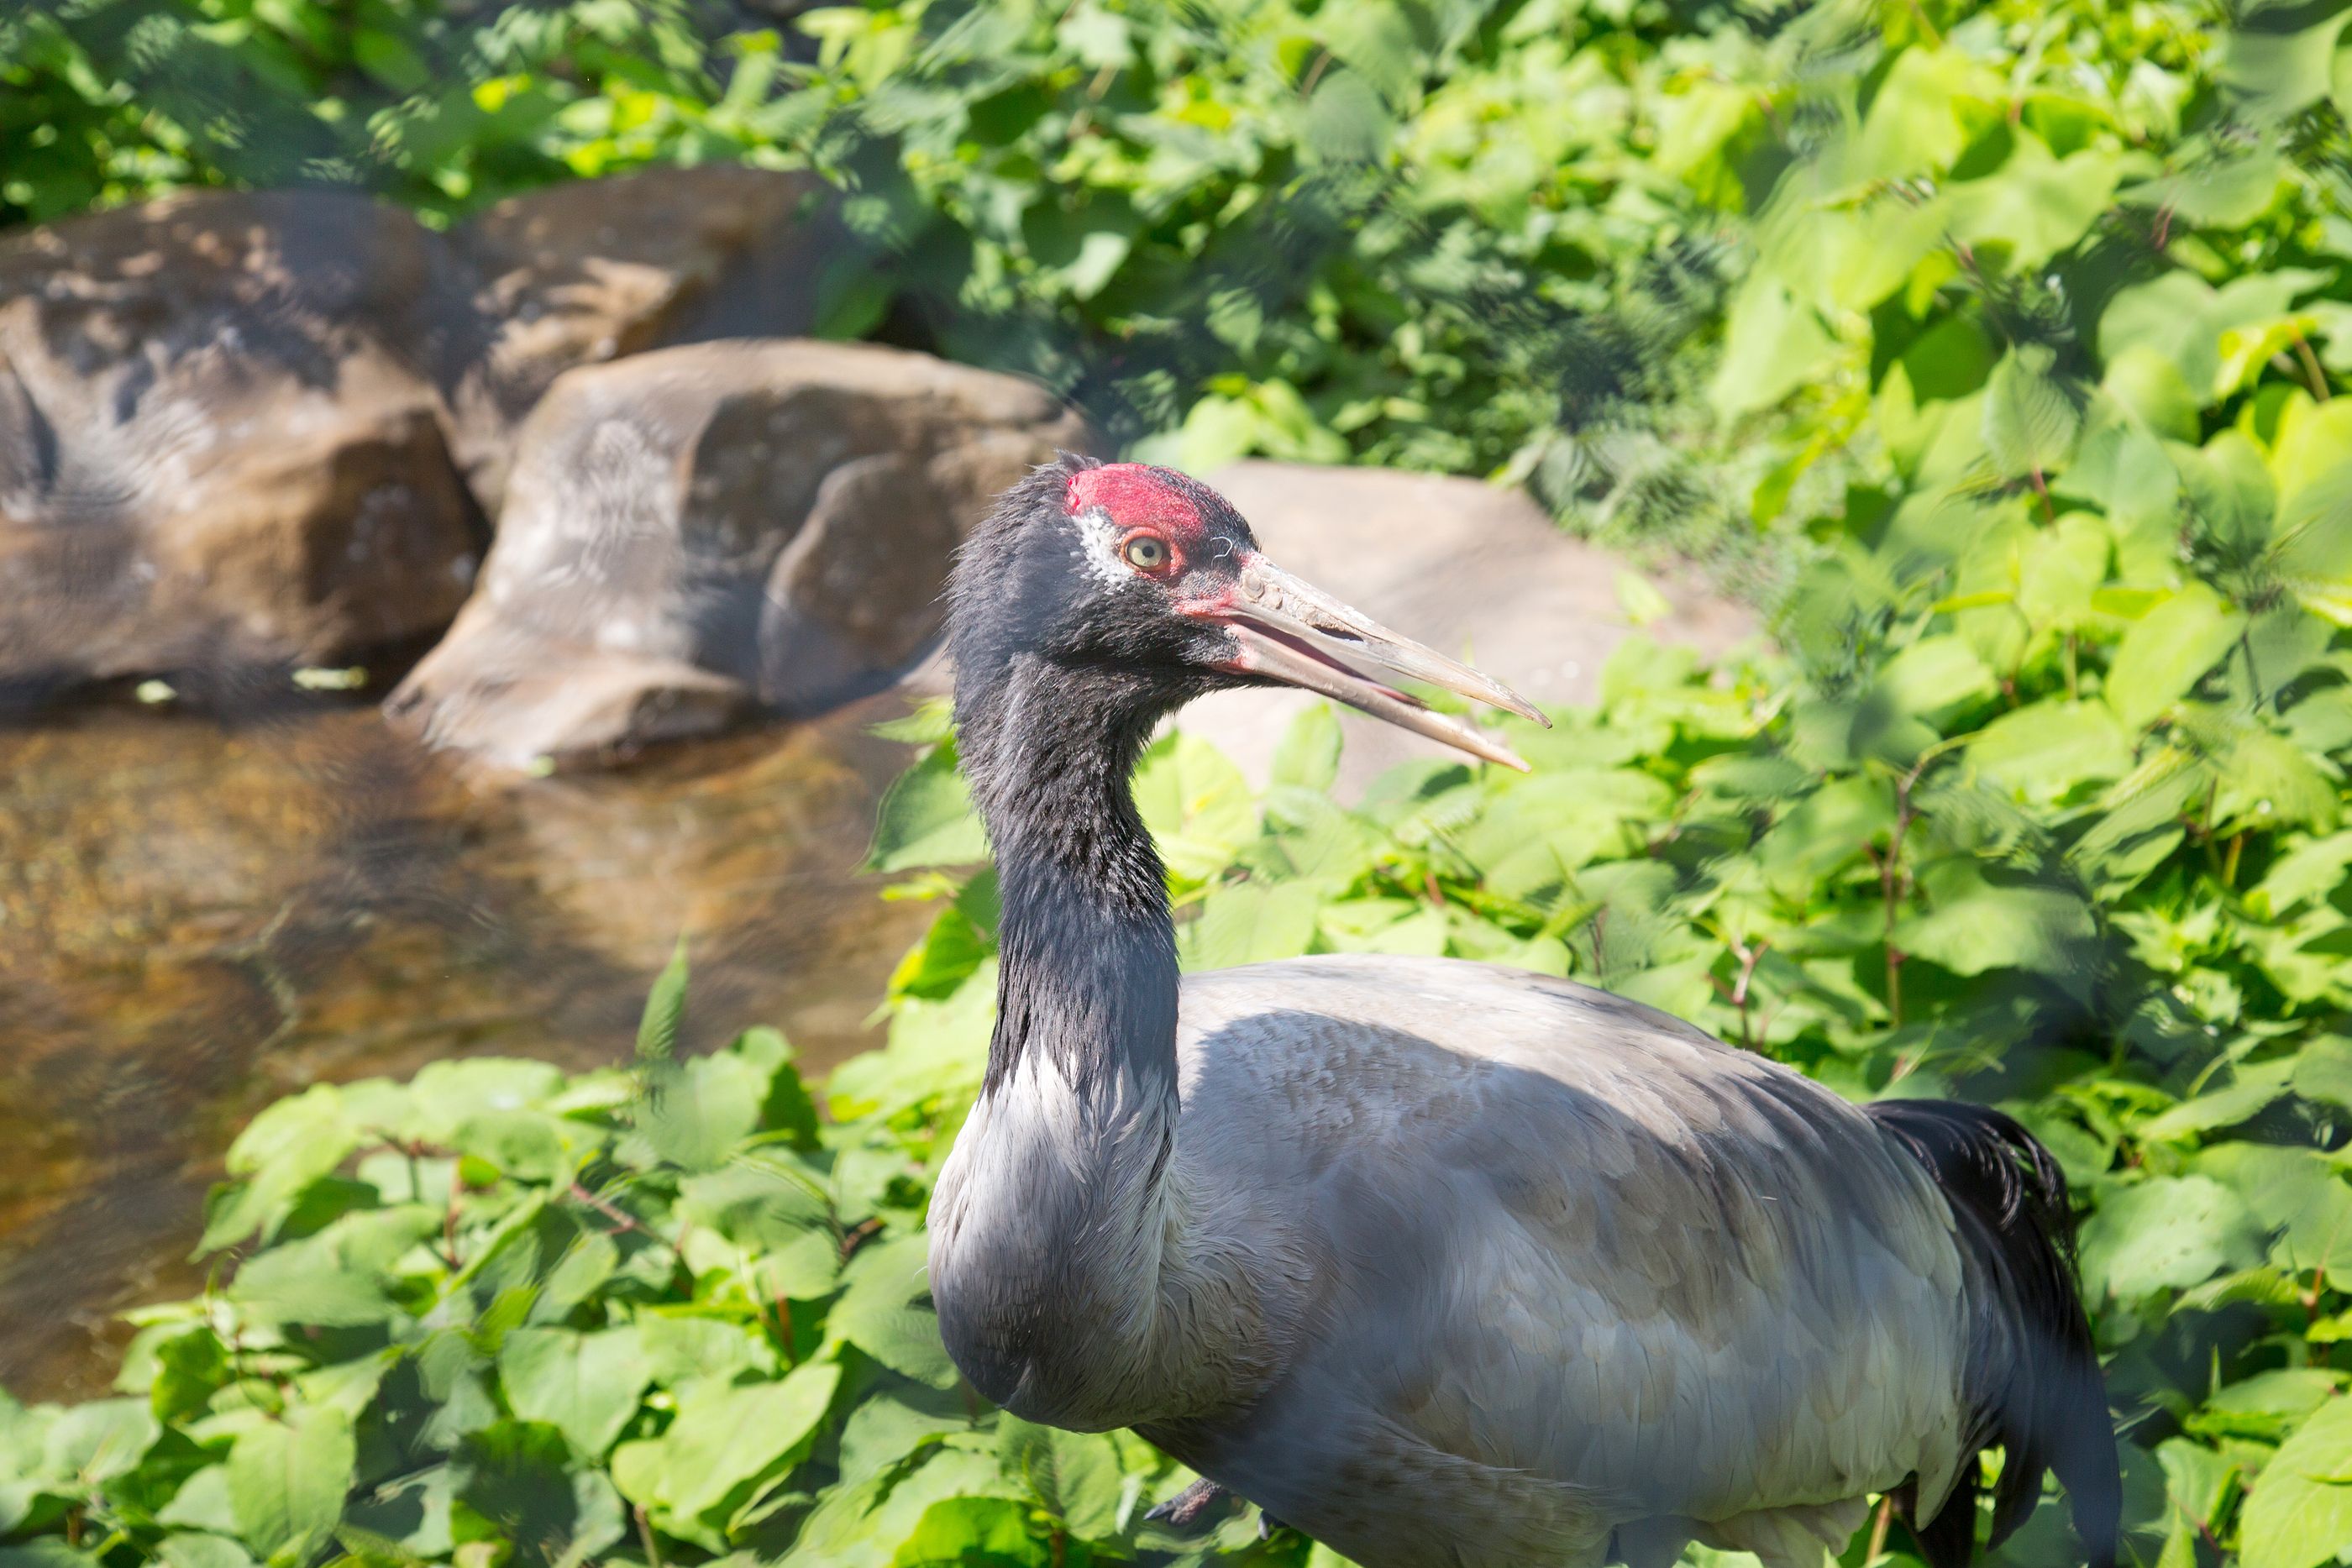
[1145, 583]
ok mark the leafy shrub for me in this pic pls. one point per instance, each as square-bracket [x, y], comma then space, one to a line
[2024, 329]
[501, 1315]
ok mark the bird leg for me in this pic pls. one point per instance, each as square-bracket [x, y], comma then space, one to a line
[1187, 1508]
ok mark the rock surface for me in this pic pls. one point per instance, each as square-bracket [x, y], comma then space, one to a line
[265, 428]
[1460, 565]
[579, 274]
[221, 438]
[698, 533]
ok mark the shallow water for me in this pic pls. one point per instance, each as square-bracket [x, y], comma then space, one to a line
[198, 916]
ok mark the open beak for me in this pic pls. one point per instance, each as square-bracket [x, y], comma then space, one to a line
[1300, 636]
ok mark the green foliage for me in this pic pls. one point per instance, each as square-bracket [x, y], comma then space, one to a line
[2023, 333]
[1663, 264]
[536, 1320]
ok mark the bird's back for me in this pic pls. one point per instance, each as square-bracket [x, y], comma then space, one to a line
[1577, 1262]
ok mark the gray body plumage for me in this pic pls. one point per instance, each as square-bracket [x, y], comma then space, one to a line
[1453, 1264]
[1442, 1263]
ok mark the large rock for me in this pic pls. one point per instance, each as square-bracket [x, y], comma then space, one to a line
[579, 274]
[696, 534]
[240, 428]
[1467, 568]
[221, 439]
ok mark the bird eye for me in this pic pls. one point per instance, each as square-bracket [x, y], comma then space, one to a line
[1146, 552]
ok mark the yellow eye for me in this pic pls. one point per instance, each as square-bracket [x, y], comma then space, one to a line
[1145, 552]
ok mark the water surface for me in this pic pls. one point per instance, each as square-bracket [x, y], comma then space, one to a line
[199, 914]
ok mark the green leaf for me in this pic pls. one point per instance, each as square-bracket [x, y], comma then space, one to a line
[927, 819]
[409, 1517]
[200, 1551]
[2310, 869]
[94, 1443]
[885, 1310]
[1250, 924]
[1934, 674]
[2031, 418]
[1773, 345]
[340, 1278]
[2149, 383]
[445, 1095]
[1307, 758]
[45, 1552]
[514, 1483]
[944, 959]
[2000, 927]
[1196, 803]
[586, 1385]
[893, 1422]
[680, 1347]
[2167, 650]
[283, 1150]
[696, 1113]
[665, 1009]
[2165, 1233]
[2323, 1071]
[201, 1503]
[2300, 1515]
[726, 1436]
[2294, 1196]
[286, 1480]
[2247, 350]
[2045, 751]
[1074, 1476]
[856, 1526]
[2247, 1093]
[527, 1146]
[2035, 204]
[971, 1529]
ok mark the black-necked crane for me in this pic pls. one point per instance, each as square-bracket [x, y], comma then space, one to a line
[1441, 1262]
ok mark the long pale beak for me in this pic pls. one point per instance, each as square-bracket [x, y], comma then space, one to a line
[1297, 634]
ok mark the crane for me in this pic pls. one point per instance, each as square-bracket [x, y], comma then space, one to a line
[1441, 1262]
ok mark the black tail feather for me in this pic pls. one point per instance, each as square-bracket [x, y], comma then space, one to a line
[2036, 1372]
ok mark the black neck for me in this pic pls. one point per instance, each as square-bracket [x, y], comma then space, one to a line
[1087, 949]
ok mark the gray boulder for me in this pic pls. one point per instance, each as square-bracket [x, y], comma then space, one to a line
[701, 533]
[579, 274]
[261, 428]
[221, 436]
[1467, 568]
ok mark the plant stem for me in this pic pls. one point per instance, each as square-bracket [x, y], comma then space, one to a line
[2311, 370]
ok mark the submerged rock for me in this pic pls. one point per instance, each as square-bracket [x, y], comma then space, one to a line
[696, 534]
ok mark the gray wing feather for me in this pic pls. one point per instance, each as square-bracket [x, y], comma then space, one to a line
[1568, 1239]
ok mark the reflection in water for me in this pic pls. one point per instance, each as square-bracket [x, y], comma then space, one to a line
[197, 916]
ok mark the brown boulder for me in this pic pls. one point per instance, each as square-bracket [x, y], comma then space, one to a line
[220, 435]
[1468, 568]
[700, 532]
[579, 274]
